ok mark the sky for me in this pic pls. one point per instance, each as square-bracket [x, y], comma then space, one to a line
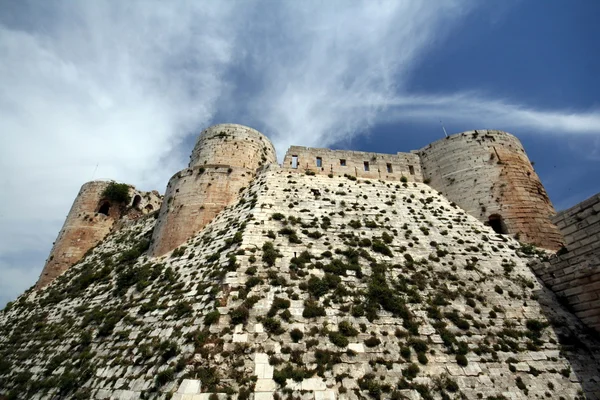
[120, 90]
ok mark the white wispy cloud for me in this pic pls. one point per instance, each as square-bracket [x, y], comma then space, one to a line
[122, 84]
[107, 83]
[481, 110]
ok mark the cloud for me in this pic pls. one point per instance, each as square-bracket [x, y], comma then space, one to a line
[328, 73]
[110, 89]
[97, 90]
[477, 109]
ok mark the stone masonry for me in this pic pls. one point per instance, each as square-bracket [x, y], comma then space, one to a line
[389, 167]
[224, 161]
[303, 303]
[90, 219]
[487, 173]
[263, 281]
[574, 273]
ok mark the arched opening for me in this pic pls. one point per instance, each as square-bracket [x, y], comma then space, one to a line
[149, 207]
[136, 201]
[104, 208]
[497, 223]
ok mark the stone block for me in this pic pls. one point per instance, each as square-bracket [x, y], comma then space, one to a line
[325, 395]
[190, 386]
[265, 385]
[312, 384]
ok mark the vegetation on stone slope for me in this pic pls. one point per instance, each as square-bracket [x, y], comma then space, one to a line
[378, 289]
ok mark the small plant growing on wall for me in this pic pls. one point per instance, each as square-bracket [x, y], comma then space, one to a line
[117, 192]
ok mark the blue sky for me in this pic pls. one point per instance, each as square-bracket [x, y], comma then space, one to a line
[111, 89]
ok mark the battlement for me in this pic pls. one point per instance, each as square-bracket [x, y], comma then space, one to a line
[485, 172]
[355, 163]
[91, 218]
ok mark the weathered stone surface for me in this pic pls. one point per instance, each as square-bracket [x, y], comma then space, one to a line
[487, 173]
[390, 285]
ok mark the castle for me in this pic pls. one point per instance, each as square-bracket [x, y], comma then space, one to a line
[336, 275]
[485, 172]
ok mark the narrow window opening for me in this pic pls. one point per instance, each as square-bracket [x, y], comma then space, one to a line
[497, 223]
[389, 168]
[149, 207]
[294, 162]
[104, 208]
[411, 169]
[342, 162]
[319, 162]
[136, 201]
[366, 164]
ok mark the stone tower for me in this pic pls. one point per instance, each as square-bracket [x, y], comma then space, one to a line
[488, 174]
[223, 162]
[90, 219]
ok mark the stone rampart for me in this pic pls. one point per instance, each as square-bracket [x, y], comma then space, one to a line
[224, 161]
[233, 145]
[488, 174]
[90, 219]
[355, 163]
[574, 274]
[194, 196]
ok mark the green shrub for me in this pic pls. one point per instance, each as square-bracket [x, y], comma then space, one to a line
[117, 192]
[346, 329]
[372, 342]
[212, 317]
[273, 325]
[296, 335]
[164, 377]
[240, 315]
[338, 339]
[270, 255]
[312, 309]
[411, 372]
[461, 360]
[380, 247]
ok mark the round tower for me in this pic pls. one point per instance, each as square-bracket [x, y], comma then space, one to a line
[224, 161]
[488, 174]
[90, 219]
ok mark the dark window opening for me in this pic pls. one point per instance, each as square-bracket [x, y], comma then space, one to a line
[342, 162]
[319, 162]
[294, 162]
[136, 201]
[411, 169]
[104, 208]
[497, 223]
[389, 168]
[149, 207]
[366, 164]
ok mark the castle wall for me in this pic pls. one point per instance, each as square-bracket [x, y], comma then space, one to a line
[488, 174]
[194, 196]
[574, 273]
[232, 145]
[339, 162]
[90, 219]
[223, 162]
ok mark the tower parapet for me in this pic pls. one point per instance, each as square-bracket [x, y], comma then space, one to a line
[223, 162]
[488, 174]
[91, 218]
[391, 167]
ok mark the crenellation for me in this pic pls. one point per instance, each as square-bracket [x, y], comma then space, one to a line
[392, 167]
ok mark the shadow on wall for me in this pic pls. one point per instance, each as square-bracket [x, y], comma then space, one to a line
[579, 344]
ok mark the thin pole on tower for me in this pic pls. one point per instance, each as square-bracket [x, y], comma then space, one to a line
[445, 133]
[95, 169]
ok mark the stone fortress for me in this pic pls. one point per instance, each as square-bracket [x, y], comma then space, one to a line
[485, 172]
[197, 304]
